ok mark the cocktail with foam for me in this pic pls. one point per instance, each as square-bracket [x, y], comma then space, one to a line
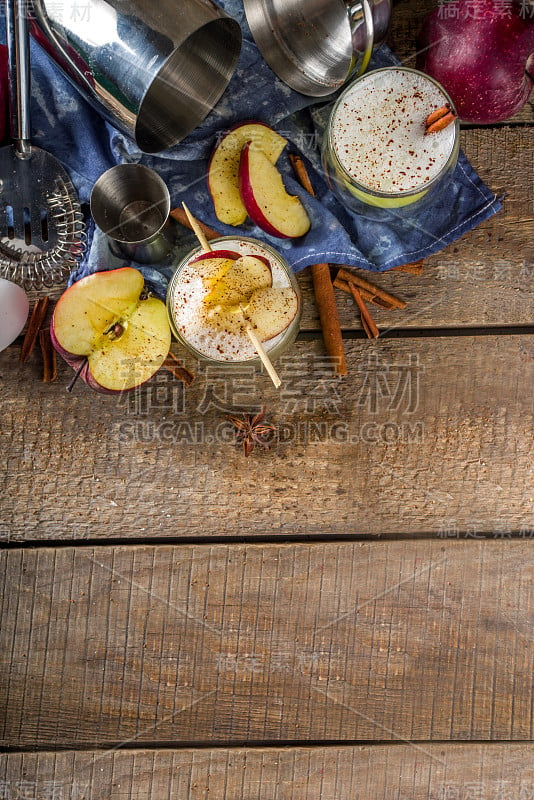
[211, 299]
[377, 153]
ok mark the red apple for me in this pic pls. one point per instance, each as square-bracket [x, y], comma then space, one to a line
[481, 56]
[109, 328]
[223, 168]
[268, 309]
[268, 204]
[226, 254]
[4, 84]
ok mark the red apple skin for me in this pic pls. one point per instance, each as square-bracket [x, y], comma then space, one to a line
[226, 254]
[4, 107]
[265, 261]
[480, 59]
[230, 254]
[247, 195]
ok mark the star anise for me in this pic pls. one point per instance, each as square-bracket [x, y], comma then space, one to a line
[251, 430]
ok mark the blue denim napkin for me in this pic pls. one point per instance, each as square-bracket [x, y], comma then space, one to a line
[68, 127]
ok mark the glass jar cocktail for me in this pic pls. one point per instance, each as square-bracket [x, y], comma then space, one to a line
[216, 332]
[377, 153]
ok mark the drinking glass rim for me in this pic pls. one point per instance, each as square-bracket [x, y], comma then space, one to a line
[424, 187]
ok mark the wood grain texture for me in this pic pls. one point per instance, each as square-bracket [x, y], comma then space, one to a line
[428, 772]
[228, 644]
[424, 436]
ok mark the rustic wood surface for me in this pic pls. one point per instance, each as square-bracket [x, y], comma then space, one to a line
[383, 772]
[426, 436]
[348, 614]
[231, 644]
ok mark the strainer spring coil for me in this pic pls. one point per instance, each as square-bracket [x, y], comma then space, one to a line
[33, 270]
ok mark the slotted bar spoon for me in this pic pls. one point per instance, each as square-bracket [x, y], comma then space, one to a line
[41, 227]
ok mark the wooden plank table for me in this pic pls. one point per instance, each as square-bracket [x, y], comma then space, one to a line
[348, 614]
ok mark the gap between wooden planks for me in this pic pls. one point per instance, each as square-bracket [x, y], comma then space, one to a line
[385, 642]
[379, 772]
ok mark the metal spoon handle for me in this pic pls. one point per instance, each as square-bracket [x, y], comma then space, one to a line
[18, 49]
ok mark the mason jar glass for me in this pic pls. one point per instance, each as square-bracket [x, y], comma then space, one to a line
[208, 342]
[377, 155]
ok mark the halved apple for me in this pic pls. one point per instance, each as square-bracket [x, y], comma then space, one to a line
[271, 309]
[265, 197]
[223, 168]
[245, 275]
[105, 325]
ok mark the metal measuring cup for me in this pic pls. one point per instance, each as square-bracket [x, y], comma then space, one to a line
[130, 204]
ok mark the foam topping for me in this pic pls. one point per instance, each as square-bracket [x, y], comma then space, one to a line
[378, 131]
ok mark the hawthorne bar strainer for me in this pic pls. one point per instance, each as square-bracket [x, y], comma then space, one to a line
[42, 232]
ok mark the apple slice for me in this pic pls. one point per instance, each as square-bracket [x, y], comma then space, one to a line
[232, 254]
[244, 276]
[223, 168]
[268, 204]
[106, 325]
[270, 310]
[213, 268]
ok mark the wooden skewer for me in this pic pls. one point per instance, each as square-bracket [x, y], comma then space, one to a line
[265, 360]
[199, 233]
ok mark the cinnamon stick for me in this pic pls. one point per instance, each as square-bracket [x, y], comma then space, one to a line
[367, 320]
[361, 283]
[49, 356]
[325, 299]
[369, 297]
[176, 368]
[301, 172]
[323, 288]
[180, 216]
[414, 268]
[34, 326]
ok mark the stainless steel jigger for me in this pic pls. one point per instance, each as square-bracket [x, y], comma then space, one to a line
[130, 204]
